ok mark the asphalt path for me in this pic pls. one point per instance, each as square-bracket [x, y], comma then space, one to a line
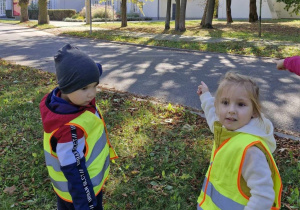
[167, 74]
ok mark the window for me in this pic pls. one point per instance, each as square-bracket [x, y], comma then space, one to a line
[2, 7]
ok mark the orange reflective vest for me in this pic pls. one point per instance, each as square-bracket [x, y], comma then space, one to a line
[223, 187]
[98, 154]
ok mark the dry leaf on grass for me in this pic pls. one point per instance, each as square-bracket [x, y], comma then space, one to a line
[10, 190]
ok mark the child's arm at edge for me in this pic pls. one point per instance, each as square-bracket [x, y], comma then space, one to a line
[292, 64]
[207, 105]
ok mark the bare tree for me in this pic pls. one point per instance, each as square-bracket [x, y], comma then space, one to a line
[253, 17]
[43, 12]
[204, 15]
[168, 15]
[182, 15]
[228, 12]
[209, 14]
[124, 13]
[24, 10]
[177, 15]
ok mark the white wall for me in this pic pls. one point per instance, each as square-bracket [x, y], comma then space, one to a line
[282, 13]
[194, 8]
[69, 4]
[8, 5]
[240, 9]
[150, 8]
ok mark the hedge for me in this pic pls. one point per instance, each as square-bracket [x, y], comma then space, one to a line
[60, 14]
[33, 14]
[8, 13]
[54, 14]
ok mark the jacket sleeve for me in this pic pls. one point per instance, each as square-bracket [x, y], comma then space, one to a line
[257, 174]
[292, 64]
[70, 152]
[207, 105]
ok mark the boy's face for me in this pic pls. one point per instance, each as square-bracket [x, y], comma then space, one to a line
[83, 96]
[234, 108]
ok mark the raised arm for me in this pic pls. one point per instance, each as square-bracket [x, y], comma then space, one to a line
[207, 105]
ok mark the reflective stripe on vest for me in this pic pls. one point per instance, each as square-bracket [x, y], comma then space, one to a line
[97, 155]
[99, 146]
[221, 189]
[219, 200]
[63, 185]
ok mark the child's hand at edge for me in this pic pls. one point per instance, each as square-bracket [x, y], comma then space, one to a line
[279, 64]
[202, 88]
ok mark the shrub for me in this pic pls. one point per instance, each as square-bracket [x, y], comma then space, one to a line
[98, 11]
[73, 20]
[133, 15]
[33, 14]
[8, 13]
[60, 14]
[33, 6]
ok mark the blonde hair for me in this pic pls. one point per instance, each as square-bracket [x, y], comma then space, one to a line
[232, 78]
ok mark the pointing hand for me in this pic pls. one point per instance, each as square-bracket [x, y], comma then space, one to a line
[202, 88]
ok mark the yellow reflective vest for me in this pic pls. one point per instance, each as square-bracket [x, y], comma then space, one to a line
[98, 153]
[224, 187]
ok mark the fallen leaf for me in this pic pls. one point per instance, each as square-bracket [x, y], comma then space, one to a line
[135, 172]
[10, 190]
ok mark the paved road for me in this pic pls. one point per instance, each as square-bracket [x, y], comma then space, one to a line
[170, 75]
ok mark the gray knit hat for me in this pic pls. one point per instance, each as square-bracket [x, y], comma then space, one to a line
[75, 69]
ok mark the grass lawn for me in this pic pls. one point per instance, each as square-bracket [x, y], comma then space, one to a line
[31, 24]
[272, 43]
[164, 149]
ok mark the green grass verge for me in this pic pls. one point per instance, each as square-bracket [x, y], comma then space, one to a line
[31, 24]
[164, 149]
[231, 47]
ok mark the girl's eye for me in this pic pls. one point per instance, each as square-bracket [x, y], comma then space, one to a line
[225, 102]
[242, 104]
[84, 88]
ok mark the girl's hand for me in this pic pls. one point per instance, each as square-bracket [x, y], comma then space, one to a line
[279, 64]
[202, 88]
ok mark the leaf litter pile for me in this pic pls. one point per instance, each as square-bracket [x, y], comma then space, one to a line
[164, 149]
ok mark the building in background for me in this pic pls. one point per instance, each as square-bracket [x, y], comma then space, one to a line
[271, 9]
[156, 9]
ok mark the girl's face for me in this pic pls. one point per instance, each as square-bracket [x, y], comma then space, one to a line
[83, 96]
[234, 108]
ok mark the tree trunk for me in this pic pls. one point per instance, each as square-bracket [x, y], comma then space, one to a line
[228, 12]
[24, 10]
[204, 15]
[253, 17]
[209, 14]
[168, 15]
[182, 15]
[87, 12]
[124, 13]
[177, 15]
[43, 12]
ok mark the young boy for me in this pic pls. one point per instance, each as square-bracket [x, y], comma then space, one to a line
[76, 145]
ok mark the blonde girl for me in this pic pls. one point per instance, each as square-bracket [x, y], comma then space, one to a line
[242, 174]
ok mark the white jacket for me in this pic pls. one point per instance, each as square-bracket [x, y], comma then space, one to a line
[256, 170]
